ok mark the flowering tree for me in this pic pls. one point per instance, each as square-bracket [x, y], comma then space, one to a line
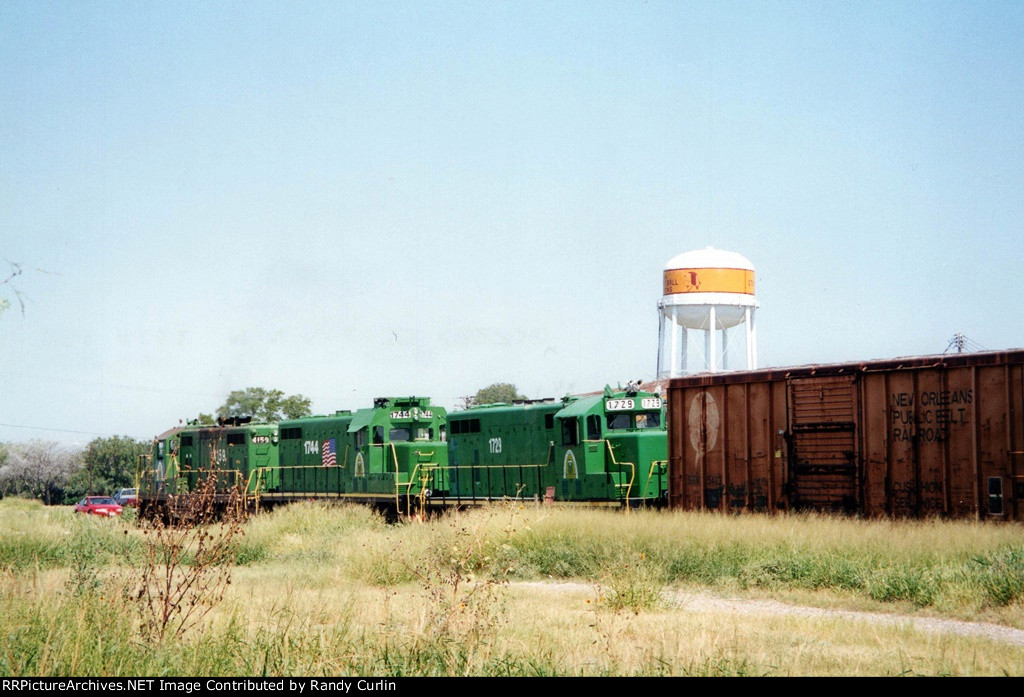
[40, 469]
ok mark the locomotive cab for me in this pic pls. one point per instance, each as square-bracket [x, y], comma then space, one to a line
[636, 432]
[613, 447]
[399, 447]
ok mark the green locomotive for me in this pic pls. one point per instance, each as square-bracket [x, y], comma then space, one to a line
[234, 452]
[609, 448]
[380, 455]
[405, 453]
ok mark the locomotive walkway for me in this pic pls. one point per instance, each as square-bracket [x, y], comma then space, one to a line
[704, 602]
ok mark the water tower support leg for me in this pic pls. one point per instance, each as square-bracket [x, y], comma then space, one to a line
[712, 349]
[725, 350]
[683, 332]
[751, 341]
[674, 328]
[659, 370]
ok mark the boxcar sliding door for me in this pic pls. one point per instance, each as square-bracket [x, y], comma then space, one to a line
[824, 471]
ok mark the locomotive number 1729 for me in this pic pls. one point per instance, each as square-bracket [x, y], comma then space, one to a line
[620, 404]
[630, 404]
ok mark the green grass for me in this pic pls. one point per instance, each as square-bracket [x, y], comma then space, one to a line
[328, 590]
[47, 537]
[950, 566]
[940, 564]
[354, 630]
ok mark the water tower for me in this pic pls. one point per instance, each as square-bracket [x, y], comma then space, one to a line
[709, 295]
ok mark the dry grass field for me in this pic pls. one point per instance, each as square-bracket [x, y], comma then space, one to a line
[514, 590]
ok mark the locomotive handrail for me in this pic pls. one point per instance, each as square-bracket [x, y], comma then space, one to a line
[491, 467]
[258, 472]
[394, 457]
[650, 475]
[408, 486]
[181, 480]
[547, 462]
[200, 470]
[408, 489]
[423, 487]
[139, 459]
[398, 479]
[427, 468]
[632, 467]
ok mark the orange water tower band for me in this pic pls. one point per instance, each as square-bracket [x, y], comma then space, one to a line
[709, 281]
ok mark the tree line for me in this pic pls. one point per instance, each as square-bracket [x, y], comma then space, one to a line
[55, 473]
[273, 405]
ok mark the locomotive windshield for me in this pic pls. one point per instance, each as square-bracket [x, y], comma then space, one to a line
[648, 419]
[619, 421]
[625, 420]
[402, 435]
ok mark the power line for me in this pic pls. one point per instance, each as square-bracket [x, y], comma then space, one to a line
[57, 430]
[108, 385]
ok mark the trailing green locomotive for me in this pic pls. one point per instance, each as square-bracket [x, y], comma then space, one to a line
[378, 455]
[233, 452]
[609, 448]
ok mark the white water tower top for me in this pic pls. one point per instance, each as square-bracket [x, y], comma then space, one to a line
[707, 292]
[709, 270]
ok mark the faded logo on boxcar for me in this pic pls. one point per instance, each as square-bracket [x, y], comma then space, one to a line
[703, 422]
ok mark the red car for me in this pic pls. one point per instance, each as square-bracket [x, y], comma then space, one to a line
[99, 505]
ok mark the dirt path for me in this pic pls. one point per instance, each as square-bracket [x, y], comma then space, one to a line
[694, 601]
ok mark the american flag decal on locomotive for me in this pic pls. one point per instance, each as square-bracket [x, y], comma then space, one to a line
[328, 453]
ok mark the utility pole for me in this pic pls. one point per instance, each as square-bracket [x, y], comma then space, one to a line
[963, 344]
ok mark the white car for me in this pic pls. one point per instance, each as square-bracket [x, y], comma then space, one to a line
[127, 497]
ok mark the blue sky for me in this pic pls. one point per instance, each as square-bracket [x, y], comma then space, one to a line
[349, 200]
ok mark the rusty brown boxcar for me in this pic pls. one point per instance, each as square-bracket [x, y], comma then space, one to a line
[910, 437]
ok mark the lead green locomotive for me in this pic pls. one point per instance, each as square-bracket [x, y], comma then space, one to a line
[606, 448]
